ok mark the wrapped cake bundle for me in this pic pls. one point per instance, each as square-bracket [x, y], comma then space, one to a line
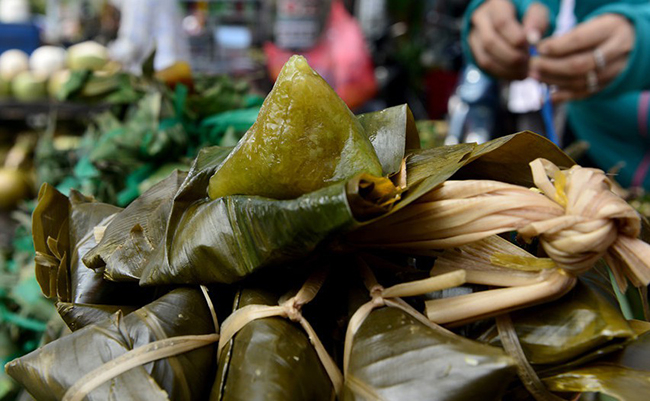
[517, 251]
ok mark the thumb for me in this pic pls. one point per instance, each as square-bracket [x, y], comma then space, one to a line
[535, 22]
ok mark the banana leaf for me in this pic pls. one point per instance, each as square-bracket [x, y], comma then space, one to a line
[88, 286]
[142, 137]
[384, 129]
[226, 128]
[101, 343]
[269, 359]
[132, 235]
[624, 375]
[580, 322]
[396, 357]
[216, 95]
[77, 316]
[504, 159]
[50, 222]
[233, 236]
[67, 226]
[185, 377]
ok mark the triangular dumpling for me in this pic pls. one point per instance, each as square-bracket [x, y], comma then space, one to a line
[305, 138]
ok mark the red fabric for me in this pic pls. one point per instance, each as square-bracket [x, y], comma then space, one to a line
[340, 57]
[440, 85]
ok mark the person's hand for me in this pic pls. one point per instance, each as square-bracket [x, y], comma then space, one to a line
[586, 59]
[499, 42]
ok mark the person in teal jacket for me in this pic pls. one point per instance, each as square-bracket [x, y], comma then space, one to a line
[601, 67]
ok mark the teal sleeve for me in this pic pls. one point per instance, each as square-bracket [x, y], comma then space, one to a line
[635, 76]
[617, 129]
[520, 5]
[467, 25]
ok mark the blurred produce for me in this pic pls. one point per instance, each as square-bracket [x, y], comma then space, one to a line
[14, 187]
[47, 60]
[29, 79]
[155, 126]
[56, 82]
[12, 63]
[5, 89]
[432, 133]
[14, 11]
[24, 312]
[178, 73]
[16, 180]
[29, 87]
[87, 56]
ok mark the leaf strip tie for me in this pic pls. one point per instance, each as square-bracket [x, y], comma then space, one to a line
[390, 297]
[213, 313]
[464, 308]
[577, 217]
[290, 309]
[136, 357]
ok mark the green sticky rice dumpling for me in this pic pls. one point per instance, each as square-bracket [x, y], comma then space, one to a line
[305, 138]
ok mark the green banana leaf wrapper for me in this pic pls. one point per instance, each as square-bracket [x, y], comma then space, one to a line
[563, 330]
[183, 311]
[624, 375]
[77, 316]
[269, 359]
[64, 231]
[132, 236]
[396, 357]
[85, 214]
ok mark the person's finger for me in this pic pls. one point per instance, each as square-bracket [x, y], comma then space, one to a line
[579, 82]
[494, 44]
[575, 65]
[535, 22]
[488, 63]
[587, 35]
[561, 96]
[579, 89]
[611, 71]
[504, 20]
[567, 67]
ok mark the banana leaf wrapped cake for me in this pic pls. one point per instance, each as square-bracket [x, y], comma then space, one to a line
[499, 267]
[182, 312]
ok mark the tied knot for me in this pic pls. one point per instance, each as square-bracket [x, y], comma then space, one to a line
[377, 294]
[292, 309]
[594, 216]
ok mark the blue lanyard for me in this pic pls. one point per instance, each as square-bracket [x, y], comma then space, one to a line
[547, 108]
